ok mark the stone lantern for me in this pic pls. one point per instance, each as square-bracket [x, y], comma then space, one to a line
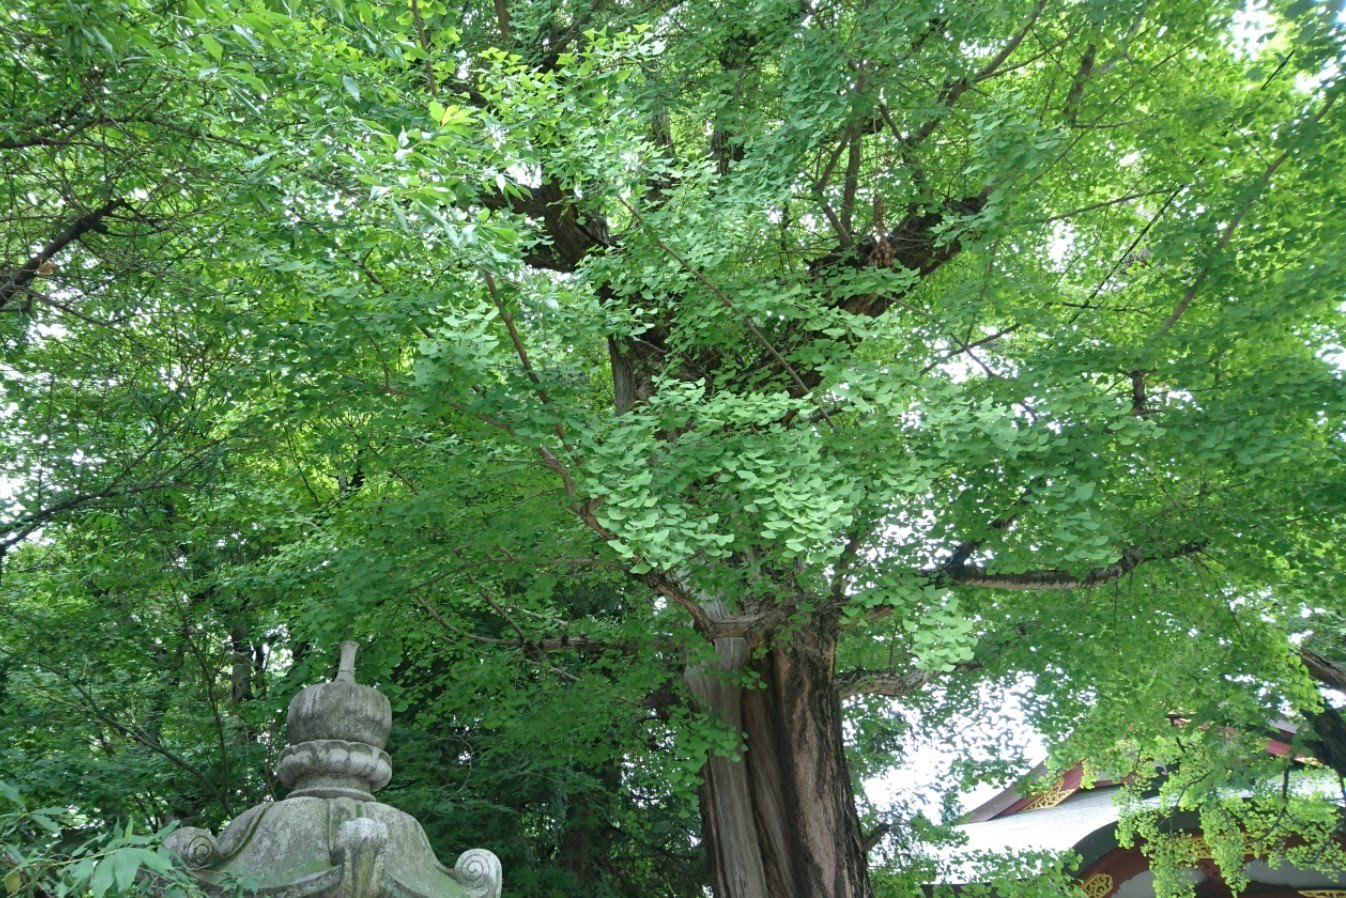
[329, 838]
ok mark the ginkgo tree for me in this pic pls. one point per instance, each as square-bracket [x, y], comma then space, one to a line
[735, 364]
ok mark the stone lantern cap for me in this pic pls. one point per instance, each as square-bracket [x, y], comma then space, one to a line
[336, 733]
[329, 838]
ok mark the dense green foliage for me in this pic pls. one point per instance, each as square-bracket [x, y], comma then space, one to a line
[539, 344]
[44, 856]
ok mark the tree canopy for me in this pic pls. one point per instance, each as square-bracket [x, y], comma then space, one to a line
[671, 395]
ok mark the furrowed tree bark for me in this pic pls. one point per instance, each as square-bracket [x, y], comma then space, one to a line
[1328, 726]
[1328, 737]
[781, 822]
[734, 854]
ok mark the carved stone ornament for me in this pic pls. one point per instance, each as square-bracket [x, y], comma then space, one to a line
[329, 838]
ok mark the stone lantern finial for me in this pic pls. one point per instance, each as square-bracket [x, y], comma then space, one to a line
[346, 672]
[329, 838]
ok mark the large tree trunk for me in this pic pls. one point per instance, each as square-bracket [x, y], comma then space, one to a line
[781, 823]
[1327, 728]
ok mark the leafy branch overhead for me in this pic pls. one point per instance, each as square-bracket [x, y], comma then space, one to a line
[669, 395]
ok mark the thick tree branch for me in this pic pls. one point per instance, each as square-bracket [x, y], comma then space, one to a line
[18, 280]
[851, 184]
[964, 552]
[1327, 726]
[1071, 112]
[1325, 671]
[949, 94]
[875, 837]
[845, 562]
[973, 575]
[911, 245]
[502, 20]
[37, 140]
[890, 683]
[1328, 738]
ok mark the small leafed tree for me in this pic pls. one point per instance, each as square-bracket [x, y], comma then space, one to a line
[663, 384]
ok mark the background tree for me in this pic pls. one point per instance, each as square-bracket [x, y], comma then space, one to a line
[686, 374]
